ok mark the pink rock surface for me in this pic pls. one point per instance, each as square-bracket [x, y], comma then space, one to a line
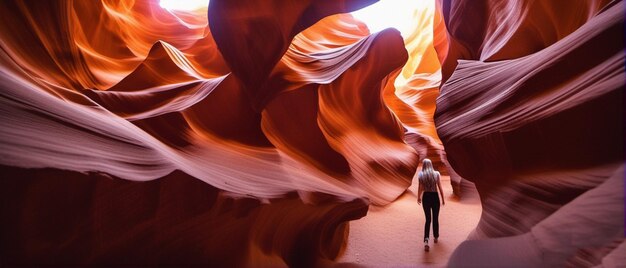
[532, 113]
[142, 93]
[252, 132]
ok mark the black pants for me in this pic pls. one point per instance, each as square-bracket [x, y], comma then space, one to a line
[431, 204]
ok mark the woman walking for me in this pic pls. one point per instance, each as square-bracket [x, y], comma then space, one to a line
[428, 184]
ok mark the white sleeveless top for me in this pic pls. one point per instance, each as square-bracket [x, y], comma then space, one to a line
[429, 182]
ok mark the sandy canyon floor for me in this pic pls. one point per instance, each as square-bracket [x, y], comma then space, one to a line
[391, 236]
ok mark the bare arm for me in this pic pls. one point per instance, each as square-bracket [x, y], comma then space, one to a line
[443, 200]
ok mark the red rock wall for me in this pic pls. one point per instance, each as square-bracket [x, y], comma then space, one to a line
[296, 119]
[531, 111]
[288, 130]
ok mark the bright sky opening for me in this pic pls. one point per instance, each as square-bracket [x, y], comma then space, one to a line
[384, 14]
[390, 14]
[185, 5]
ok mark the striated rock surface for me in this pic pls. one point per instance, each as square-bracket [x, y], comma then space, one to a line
[283, 119]
[71, 218]
[531, 111]
[251, 132]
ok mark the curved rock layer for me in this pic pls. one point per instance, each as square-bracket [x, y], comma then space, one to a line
[531, 111]
[294, 116]
[278, 111]
[71, 218]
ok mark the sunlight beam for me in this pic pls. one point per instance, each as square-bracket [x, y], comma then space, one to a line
[185, 5]
[384, 14]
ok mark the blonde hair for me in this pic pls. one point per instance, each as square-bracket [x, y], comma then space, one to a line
[427, 168]
[428, 177]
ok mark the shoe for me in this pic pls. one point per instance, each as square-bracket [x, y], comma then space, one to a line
[436, 240]
[426, 248]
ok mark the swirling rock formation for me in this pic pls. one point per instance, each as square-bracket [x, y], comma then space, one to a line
[252, 135]
[70, 218]
[532, 112]
[282, 117]
[217, 113]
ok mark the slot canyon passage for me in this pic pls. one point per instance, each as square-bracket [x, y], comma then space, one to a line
[272, 133]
